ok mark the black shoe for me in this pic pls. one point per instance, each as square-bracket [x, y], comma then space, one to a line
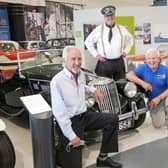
[108, 163]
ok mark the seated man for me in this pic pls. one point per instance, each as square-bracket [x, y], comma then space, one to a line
[153, 77]
[68, 104]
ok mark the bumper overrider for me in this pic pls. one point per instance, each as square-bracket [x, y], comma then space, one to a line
[126, 120]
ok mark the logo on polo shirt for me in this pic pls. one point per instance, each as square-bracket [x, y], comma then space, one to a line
[161, 76]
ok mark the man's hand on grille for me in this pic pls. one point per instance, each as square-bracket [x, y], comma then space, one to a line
[98, 95]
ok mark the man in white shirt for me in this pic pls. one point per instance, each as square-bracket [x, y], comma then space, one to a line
[113, 43]
[68, 105]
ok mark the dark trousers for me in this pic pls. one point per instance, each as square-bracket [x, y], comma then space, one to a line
[89, 121]
[111, 68]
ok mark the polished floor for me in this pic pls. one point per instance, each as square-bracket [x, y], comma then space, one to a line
[150, 155]
[19, 132]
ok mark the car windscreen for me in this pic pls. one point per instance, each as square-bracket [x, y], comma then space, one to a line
[23, 44]
[42, 57]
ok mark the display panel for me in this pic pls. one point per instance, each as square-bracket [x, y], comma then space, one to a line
[4, 25]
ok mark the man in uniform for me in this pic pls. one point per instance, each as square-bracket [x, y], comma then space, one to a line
[113, 43]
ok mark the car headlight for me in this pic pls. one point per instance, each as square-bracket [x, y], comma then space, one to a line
[130, 89]
[90, 102]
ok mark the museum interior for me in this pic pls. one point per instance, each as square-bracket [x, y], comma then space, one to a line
[83, 84]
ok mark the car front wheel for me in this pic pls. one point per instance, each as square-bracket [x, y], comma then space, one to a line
[139, 122]
[7, 153]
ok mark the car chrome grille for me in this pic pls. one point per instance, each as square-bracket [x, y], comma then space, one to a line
[111, 103]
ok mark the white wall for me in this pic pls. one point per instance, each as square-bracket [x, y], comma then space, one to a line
[154, 15]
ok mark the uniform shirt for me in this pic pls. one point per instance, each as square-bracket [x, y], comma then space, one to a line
[68, 99]
[113, 49]
[158, 79]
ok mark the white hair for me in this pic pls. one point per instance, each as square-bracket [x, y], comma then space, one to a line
[66, 50]
[152, 50]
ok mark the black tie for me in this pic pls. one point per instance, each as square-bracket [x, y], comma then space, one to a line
[110, 35]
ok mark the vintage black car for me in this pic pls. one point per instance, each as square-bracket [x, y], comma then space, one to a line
[34, 75]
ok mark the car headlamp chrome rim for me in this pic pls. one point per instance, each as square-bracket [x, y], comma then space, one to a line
[90, 102]
[130, 89]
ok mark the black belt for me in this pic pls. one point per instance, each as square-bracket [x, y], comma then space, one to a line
[115, 59]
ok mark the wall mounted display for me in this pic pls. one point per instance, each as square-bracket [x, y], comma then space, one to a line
[4, 18]
[4, 34]
[161, 33]
[139, 32]
[59, 20]
[143, 33]
[147, 33]
[26, 2]
[4, 25]
[34, 26]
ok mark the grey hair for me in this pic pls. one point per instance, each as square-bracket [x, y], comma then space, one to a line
[65, 51]
[152, 50]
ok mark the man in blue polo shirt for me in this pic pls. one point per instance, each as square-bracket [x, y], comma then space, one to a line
[153, 77]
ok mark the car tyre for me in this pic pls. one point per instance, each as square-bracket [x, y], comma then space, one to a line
[139, 122]
[7, 153]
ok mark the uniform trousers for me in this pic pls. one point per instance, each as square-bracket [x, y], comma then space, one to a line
[88, 121]
[111, 68]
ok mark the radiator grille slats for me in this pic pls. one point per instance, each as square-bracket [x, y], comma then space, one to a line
[111, 103]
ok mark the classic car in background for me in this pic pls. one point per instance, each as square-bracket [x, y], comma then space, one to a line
[7, 152]
[34, 45]
[9, 51]
[59, 43]
[121, 97]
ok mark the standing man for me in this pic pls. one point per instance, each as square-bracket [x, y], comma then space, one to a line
[153, 77]
[113, 43]
[68, 105]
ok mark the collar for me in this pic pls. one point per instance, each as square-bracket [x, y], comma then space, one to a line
[110, 27]
[153, 71]
[69, 74]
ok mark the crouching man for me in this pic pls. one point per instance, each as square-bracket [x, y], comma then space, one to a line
[68, 105]
[153, 77]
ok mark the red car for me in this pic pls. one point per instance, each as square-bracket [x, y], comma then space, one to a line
[10, 50]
